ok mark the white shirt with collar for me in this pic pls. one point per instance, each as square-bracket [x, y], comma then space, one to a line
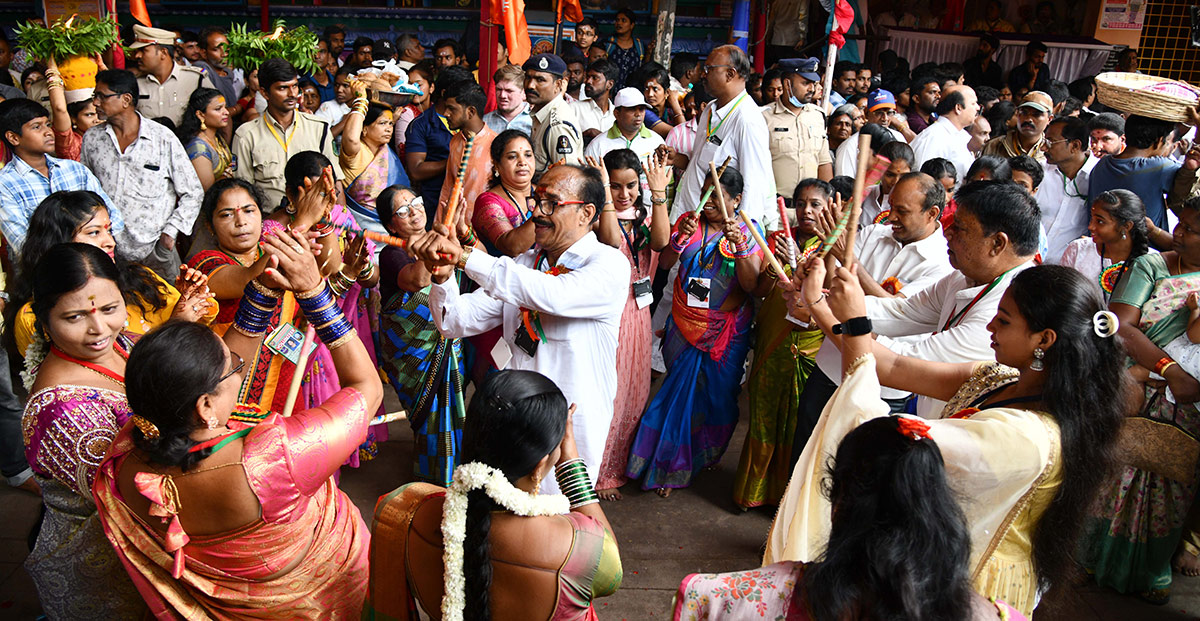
[738, 130]
[916, 266]
[332, 111]
[944, 139]
[874, 204]
[934, 312]
[1065, 212]
[845, 159]
[580, 313]
[590, 116]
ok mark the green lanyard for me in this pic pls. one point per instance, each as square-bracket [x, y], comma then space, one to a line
[958, 317]
[712, 130]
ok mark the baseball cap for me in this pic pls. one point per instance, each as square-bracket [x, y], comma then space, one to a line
[880, 98]
[548, 63]
[805, 67]
[1038, 101]
[629, 97]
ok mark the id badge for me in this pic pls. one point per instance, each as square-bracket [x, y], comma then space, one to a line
[501, 354]
[286, 341]
[642, 293]
[697, 292]
[524, 342]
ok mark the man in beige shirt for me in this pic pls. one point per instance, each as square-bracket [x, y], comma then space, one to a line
[261, 148]
[555, 129]
[1034, 113]
[165, 86]
[799, 143]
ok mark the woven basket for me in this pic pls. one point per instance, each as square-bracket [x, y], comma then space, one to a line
[1147, 95]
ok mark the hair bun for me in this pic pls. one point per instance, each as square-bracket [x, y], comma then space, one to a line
[1105, 324]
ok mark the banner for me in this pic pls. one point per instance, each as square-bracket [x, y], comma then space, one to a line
[511, 14]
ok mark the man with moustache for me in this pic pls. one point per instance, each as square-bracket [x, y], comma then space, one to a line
[164, 85]
[556, 133]
[799, 142]
[558, 305]
[576, 68]
[1033, 115]
[628, 129]
[262, 146]
[595, 114]
[947, 137]
[225, 79]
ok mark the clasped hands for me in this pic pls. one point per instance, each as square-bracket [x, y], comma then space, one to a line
[806, 291]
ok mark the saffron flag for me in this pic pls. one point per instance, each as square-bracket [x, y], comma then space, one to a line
[842, 20]
[571, 10]
[511, 13]
[137, 8]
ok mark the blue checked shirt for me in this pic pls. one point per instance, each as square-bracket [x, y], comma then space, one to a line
[22, 189]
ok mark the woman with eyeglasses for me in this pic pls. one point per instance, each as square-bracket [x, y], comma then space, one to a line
[214, 519]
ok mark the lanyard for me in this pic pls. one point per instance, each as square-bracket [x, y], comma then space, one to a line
[712, 130]
[530, 318]
[283, 143]
[958, 317]
[633, 252]
[701, 257]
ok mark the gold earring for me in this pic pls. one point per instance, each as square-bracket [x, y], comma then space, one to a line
[203, 125]
[537, 483]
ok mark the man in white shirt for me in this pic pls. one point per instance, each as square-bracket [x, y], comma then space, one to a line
[628, 130]
[1063, 194]
[576, 285]
[512, 112]
[896, 260]
[731, 126]
[410, 49]
[335, 110]
[876, 205]
[947, 137]
[595, 114]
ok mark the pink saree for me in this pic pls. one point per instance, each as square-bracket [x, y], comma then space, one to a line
[306, 521]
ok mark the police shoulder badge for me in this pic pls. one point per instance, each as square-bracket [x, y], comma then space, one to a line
[564, 146]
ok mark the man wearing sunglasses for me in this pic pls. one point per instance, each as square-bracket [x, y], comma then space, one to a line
[558, 305]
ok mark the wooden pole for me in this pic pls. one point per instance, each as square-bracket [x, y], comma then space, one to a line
[830, 61]
[489, 42]
[716, 177]
[758, 41]
[664, 31]
[860, 181]
[557, 27]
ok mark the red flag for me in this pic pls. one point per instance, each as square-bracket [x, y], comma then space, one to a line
[571, 10]
[843, 19]
[511, 13]
[137, 8]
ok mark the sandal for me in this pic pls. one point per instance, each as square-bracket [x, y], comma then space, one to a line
[1156, 597]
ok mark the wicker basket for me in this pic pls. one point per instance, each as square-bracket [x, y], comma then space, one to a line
[1147, 95]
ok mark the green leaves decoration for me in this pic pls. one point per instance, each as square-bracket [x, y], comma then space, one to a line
[76, 36]
[247, 49]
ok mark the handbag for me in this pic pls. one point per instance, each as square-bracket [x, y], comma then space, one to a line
[1158, 446]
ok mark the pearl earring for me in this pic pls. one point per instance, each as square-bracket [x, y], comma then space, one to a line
[212, 423]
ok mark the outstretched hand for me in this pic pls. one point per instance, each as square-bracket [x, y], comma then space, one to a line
[292, 265]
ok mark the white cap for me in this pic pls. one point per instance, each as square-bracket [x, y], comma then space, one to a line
[630, 97]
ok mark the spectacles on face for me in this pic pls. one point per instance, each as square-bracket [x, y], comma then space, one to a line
[97, 96]
[410, 209]
[1051, 143]
[708, 68]
[548, 205]
[237, 368]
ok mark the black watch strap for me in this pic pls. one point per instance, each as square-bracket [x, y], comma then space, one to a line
[854, 327]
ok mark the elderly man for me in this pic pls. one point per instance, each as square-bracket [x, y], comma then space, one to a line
[165, 86]
[799, 142]
[898, 259]
[731, 126]
[1033, 115]
[947, 137]
[410, 49]
[628, 129]
[558, 305]
[556, 133]
[1064, 190]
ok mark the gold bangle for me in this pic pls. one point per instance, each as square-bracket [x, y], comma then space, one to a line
[265, 290]
[345, 338]
[312, 293]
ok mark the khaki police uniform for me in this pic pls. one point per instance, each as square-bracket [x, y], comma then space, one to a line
[261, 149]
[556, 135]
[170, 98]
[798, 142]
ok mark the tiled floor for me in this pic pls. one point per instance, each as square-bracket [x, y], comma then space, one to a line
[662, 540]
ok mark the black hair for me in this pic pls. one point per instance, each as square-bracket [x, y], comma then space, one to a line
[998, 115]
[605, 67]
[189, 126]
[207, 32]
[857, 99]
[1107, 121]
[899, 545]
[75, 107]
[374, 111]
[1003, 207]
[1036, 46]
[940, 168]
[843, 185]
[1073, 129]
[924, 69]
[1057, 90]
[301, 167]
[1142, 132]
[950, 101]
[447, 77]
[15, 113]
[842, 66]
[588, 20]
[361, 42]
[275, 70]
[986, 93]
[468, 94]
[654, 71]
[1029, 166]
[732, 181]
[626, 159]
[213, 195]
[425, 68]
[772, 74]
[950, 71]
[1127, 208]
[334, 29]
[824, 187]
[682, 63]
[499, 144]
[30, 70]
[163, 387]
[879, 134]
[64, 268]
[1070, 106]
[455, 47]
[895, 83]
[514, 421]
[121, 82]
[629, 14]
[931, 188]
[1085, 391]
[899, 150]
[592, 189]
[385, 202]
[1124, 53]
[918, 83]
[345, 70]
[187, 36]
[996, 166]
[990, 39]
[1083, 88]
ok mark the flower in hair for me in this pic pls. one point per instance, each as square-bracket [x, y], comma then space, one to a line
[914, 428]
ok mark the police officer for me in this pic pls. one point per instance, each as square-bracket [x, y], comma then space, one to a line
[165, 86]
[556, 133]
[799, 143]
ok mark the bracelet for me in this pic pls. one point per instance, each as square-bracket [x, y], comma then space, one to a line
[654, 200]
[608, 210]
[253, 316]
[469, 238]
[312, 293]
[367, 271]
[326, 317]
[741, 249]
[462, 258]
[574, 483]
[340, 283]
[1163, 370]
[1162, 364]
[677, 243]
[814, 302]
[324, 229]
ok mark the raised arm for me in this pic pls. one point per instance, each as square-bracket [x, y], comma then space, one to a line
[353, 122]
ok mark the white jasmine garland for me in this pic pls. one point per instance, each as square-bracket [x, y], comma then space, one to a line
[34, 355]
[468, 477]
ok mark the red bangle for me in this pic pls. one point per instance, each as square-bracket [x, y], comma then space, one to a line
[1162, 364]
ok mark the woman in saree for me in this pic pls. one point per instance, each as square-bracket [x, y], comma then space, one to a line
[425, 369]
[688, 424]
[640, 237]
[202, 132]
[898, 545]
[216, 520]
[785, 351]
[76, 405]
[501, 214]
[81, 216]
[1027, 440]
[490, 546]
[1116, 237]
[367, 159]
[1142, 517]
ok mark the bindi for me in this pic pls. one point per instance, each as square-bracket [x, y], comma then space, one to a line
[92, 299]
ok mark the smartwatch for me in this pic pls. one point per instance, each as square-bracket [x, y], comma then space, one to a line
[854, 327]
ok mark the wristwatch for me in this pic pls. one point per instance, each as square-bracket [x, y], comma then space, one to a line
[462, 258]
[854, 327]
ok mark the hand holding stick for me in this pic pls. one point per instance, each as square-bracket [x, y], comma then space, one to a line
[716, 177]
[709, 191]
[456, 191]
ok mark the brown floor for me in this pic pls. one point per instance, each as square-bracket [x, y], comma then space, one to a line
[662, 540]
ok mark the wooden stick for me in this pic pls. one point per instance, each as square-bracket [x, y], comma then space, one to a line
[787, 230]
[716, 177]
[298, 375]
[762, 243]
[709, 191]
[381, 238]
[860, 181]
[456, 191]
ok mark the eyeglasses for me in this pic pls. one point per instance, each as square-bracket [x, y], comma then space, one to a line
[708, 68]
[1051, 143]
[409, 209]
[97, 95]
[548, 205]
[237, 368]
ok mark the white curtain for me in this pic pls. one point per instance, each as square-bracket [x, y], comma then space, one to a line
[1067, 61]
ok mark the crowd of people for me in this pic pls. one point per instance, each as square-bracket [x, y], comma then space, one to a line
[211, 269]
